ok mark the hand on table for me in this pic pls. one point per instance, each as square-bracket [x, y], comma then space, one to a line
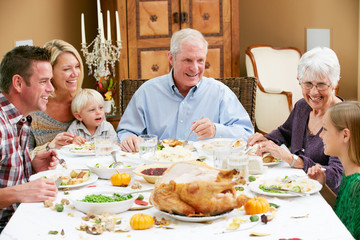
[317, 173]
[204, 128]
[45, 160]
[38, 190]
[130, 144]
[62, 139]
[256, 138]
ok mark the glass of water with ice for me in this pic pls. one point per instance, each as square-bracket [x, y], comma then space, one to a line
[147, 146]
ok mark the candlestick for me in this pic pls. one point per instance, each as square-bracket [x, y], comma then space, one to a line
[83, 38]
[118, 38]
[108, 26]
[101, 59]
[98, 14]
[102, 35]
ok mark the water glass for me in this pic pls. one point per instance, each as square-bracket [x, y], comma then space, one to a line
[221, 154]
[240, 162]
[147, 146]
[103, 146]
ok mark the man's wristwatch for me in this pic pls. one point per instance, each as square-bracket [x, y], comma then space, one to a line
[295, 158]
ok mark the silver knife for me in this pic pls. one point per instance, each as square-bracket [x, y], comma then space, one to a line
[302, 194]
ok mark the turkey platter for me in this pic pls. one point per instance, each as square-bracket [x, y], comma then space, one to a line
[196, 189]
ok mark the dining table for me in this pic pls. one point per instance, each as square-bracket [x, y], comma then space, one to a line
[297, 217]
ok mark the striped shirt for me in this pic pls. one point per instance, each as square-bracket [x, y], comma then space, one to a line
[15, 162]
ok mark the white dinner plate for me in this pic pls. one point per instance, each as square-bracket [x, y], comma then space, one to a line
[196, 219]
[66, 150]
[272, 163]
[54, 174]
[254, 186]
[199, 145]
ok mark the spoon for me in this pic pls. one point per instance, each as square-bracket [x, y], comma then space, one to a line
[116, 164]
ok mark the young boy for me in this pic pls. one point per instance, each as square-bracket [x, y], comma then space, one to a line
[88, 109]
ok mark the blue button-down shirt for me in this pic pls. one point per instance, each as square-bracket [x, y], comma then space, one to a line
[157, 107]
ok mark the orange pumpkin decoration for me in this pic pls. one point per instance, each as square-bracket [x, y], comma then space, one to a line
[256, 205]
[141, 221]
[120, 179]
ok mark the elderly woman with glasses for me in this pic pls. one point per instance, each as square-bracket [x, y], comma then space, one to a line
[318, 75]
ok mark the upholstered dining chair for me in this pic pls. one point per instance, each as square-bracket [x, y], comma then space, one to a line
[277, 87]
[243, 87]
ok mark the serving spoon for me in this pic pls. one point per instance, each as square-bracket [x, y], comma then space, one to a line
[116, 164]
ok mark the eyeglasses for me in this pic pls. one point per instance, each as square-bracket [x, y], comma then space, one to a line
[319, 86]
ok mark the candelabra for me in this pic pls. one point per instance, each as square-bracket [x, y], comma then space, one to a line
[102, 57]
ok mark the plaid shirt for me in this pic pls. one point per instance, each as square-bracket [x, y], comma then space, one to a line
[15, 162]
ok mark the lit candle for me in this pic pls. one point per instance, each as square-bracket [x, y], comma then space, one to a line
[108, 26]
[83, 39]
[98, 14]
[102, 35]
[118, 38]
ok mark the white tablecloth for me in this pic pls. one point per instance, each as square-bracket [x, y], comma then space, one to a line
[34, 221]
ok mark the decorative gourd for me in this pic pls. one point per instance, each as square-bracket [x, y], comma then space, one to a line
[141, 221]
[120, 179]
[256, 205]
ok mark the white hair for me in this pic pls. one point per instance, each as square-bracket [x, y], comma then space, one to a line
[84, 97]
[186, 34]
[319, 63]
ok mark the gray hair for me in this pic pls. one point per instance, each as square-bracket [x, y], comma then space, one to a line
[186, 34]
[319, 63]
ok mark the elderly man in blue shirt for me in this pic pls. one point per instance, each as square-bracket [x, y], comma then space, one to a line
[172, 105]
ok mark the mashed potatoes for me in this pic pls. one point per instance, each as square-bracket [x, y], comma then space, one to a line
[173, 154]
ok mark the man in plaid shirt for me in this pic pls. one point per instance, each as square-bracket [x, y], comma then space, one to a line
[25, 85]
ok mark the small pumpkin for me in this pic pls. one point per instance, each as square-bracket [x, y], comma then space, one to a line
[256, 205]
[120, 179]
[141, 221]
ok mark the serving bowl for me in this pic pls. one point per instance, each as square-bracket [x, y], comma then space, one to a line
[150, 178]
[100, 208]
[102, 169]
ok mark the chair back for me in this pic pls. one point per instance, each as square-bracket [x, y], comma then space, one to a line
[275, 68]
[243, 87]
[245, 90]
[277, 87]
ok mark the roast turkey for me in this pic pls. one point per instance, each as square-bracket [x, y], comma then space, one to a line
[196, 189]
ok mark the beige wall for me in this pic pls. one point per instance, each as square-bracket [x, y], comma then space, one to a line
[282, 23]
[43, 20]
[276, 22]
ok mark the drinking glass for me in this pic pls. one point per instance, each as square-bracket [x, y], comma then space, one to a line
[240, 162]
[147, 146]
[103, 146]
[221, 152]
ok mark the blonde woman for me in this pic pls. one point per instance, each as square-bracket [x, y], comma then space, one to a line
[49, 127]
[341, 137]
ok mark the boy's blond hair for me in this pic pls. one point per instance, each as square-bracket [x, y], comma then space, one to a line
[83, 97]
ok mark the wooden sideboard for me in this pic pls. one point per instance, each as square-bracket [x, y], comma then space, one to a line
[147, 26]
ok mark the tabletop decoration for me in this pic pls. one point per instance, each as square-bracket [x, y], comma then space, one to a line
[101, 60]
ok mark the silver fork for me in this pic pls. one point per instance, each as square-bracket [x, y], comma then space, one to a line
[187, 139]
[61, 160]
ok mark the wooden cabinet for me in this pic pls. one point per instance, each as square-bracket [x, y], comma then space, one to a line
[147, 27]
